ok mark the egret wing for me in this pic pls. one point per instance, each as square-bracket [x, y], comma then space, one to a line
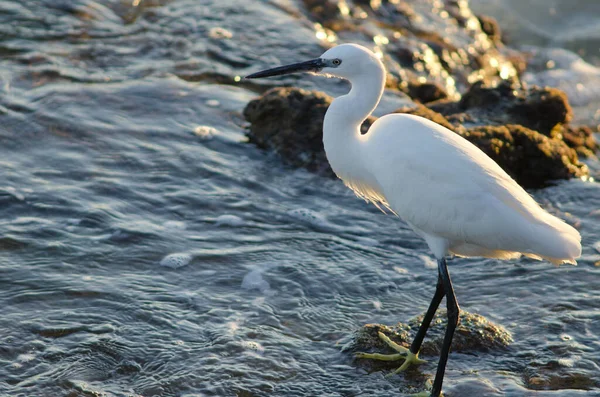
[445, 186]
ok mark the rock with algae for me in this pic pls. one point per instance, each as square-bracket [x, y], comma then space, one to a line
[539, 109]
[553, 375]
[531, 158]
[474, 333]
[289, 121]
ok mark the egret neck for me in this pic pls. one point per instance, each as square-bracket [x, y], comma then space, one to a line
[343, 142]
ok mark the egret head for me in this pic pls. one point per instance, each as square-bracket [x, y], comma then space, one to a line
[345, 61]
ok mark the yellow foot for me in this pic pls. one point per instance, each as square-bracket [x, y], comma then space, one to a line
[403, 353]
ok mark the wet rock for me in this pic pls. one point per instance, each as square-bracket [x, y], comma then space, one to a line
[289, 121]
[531, 158]
[424, 111]
[474, 334]
[553, 375]
[427, 64]
[426, 92]
[490, 26]
[581, 139]
[539, 109]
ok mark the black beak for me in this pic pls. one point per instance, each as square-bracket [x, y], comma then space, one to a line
[314, 65]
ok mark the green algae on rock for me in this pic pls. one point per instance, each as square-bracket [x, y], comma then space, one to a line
[474, 334]
[555, 374]
[531, 158]
[581, 139]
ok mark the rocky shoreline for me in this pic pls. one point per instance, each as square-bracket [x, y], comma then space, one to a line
[468, 81]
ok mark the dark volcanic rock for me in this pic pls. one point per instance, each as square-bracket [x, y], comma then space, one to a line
[490, 26]
[474, 333]
[531, 158]
[580, 139]
[426, 92]
[552, 375]
[540, 109]
[424, 111]
[289, 121]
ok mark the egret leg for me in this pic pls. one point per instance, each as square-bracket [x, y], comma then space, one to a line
[415, 346]
[453, 311]
[410, 356]
[443, 287]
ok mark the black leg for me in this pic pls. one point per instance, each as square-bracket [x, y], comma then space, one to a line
[453, 310]
[433, 306]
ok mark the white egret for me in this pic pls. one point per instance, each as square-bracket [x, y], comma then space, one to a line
[449, 192]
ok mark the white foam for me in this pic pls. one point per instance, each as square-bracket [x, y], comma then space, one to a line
[368, 241]
[429, 262]
[229, 220]
[213, 103]
[177, 260]
[205, 131]
[233, 326]
[176, 225]
[566, 71]
[24, 358]
[400, 270]
[255, 281]
[219, 33]
[311, 217]
[253, 346]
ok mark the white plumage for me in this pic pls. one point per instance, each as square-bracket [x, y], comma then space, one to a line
[450, 192]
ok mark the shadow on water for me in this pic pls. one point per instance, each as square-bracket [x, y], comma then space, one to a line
[122, 144]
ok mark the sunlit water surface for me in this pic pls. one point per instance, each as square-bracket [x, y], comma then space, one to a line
[147, 250]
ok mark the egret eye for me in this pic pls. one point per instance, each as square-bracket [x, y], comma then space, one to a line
[336, 62]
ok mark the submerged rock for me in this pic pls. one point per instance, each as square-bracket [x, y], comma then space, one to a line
[554, 375]
[474, 334]
[521, 130]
